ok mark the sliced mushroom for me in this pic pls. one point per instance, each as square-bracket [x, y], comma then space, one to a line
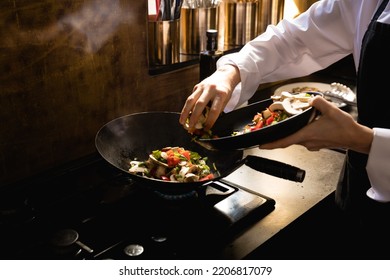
[291, 106]
[160, 171]
[277, 105]
[136, 168]
[156, 161]
[164, 155]
[276, 97]
[298, 105]
[193, 169]
[301, 96]
[191, 177]
[172, 178]
[267, 113]
[183, 171]
[286, 94]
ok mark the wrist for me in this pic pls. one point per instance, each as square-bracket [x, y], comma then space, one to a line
[232, 73]
[362, 139]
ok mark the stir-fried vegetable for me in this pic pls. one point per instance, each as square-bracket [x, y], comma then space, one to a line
[263, 119]
[173, 164]
[283, 106]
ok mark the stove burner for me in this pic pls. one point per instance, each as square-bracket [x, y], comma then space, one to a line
[65, 242]
[64, 237]
[133, 250]
[181, 196]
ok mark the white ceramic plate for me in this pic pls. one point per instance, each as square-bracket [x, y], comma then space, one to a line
[320, 86]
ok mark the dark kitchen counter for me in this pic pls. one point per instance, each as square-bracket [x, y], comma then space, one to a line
[292, 199]
[299, 207]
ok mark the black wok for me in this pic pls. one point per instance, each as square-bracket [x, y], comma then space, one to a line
[135, 136]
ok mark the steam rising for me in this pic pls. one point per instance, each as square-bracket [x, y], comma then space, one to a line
[86, 29]
[96, 21]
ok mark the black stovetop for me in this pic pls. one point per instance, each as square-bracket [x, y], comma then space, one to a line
[91, 210]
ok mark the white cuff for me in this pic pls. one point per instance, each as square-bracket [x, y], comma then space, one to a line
[378, 166]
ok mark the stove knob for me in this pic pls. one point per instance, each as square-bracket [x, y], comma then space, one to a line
[159, 239]
[133, 250]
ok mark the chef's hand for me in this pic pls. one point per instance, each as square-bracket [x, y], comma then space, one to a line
[333, 129]
[216, 89]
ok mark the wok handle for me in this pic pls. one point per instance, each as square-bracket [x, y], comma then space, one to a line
[275, 168]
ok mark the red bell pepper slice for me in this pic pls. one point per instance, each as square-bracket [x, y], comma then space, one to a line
[269, 120]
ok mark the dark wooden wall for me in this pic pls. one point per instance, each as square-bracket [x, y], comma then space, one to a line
[68, 67]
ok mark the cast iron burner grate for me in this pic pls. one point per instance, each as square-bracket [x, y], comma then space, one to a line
[183, 196]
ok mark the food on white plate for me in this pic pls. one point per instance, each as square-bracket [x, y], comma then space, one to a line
[174, 164]
[304, 89]
[337, 93]
[284, 105]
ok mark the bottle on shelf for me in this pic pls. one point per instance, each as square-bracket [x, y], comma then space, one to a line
[208, 58]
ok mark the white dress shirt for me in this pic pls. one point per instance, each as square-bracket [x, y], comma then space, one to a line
[327, 32]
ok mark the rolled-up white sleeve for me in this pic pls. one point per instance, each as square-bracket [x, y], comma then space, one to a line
[288, 50]
[378, 166]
